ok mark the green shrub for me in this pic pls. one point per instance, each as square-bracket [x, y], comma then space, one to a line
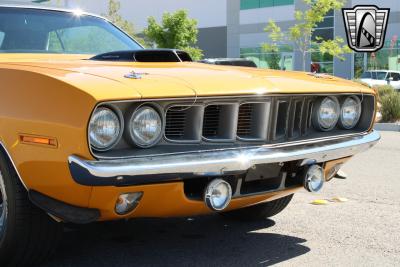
[384, 90]
[390, 107]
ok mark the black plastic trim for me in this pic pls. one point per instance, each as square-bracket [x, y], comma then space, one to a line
[66, 212]
[145, 55]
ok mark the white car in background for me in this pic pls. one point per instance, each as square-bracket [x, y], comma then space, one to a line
[381, 77]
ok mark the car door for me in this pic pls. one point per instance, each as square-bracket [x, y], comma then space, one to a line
[379, 78]
[366, 77]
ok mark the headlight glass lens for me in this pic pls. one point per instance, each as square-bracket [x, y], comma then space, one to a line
[351, 112]
[145, 126]
[104, 129]
[328, 113]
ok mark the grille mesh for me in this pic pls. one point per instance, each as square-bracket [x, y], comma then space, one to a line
[245, 120]
[175, 123]
[248, 121]
[211, 121]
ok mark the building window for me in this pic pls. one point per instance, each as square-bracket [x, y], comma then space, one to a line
[324, 31]
[251, 4]
[283, 60]
[387, 58]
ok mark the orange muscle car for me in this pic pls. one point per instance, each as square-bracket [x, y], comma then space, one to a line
[95, 128]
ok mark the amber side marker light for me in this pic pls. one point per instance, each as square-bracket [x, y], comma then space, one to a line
[38, 140]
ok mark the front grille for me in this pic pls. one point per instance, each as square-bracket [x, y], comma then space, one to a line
[219, 123]
[274, 120]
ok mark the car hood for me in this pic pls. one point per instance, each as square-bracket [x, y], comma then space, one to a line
[126, 80]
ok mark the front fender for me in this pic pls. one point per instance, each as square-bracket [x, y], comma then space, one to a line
[39, 105]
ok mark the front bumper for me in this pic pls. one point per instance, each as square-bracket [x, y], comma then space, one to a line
[175, 167]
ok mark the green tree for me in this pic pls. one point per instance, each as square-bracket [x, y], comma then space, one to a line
[272, 49]
[176, 30]
[113, 15]
[300, 34]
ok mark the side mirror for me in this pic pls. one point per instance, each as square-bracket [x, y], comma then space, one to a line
[390, 79]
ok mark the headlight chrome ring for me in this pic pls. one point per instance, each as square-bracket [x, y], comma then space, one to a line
[105, 128]
[350, 113]
[326, 114]
[145, 126]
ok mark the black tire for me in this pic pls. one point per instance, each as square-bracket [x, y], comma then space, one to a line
[259, 212]
[29, 235]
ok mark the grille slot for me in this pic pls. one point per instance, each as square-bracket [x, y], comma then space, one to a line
[307, 116]
[219, 122]
[211, 121]
[253, 121]
[296, 118]
[183, 123]
[281, 115]
[245, 120]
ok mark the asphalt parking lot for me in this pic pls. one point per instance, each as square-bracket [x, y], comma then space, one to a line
[364, 231]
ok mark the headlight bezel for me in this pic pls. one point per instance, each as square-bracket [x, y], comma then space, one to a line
[129, 121]
[120, 118]
[317, 111]
[360, 110]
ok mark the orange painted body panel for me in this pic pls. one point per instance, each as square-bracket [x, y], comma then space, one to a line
[166, 200]
[54, 96]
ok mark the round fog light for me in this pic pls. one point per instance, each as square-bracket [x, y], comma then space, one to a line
[127, 202]
[218, 194]
[314, 179]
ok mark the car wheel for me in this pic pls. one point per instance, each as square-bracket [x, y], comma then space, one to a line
[27, 235]
[260, 211]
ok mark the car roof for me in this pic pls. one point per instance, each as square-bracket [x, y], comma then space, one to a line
[11, 4]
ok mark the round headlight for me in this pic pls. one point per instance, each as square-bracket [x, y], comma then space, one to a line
[351, 112]
[104, 129]
[327, 114]
[145, 127]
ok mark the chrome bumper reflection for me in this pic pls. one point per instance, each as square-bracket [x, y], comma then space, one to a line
[136, 171]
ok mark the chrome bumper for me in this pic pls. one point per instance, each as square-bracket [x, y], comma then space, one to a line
[164, 168]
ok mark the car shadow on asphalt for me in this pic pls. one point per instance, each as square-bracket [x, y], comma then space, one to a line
[199, 241]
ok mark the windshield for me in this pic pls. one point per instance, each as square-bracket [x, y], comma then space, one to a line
[45, 31]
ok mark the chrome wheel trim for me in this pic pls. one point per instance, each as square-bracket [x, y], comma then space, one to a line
[3, 207]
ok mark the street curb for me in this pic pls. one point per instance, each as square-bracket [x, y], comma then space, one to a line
[395, 127]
